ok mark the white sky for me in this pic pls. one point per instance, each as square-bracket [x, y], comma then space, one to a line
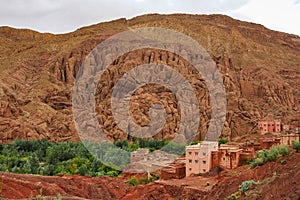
[60, 16]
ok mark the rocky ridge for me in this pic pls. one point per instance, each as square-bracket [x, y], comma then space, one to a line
[260, 70]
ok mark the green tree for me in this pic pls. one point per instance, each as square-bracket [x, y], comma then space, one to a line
[296, 145]
[82, 170]
[34, 163]
[174, 148]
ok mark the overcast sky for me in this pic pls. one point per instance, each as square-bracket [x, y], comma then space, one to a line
[60, 16]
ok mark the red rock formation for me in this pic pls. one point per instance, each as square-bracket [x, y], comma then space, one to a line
[260, 71]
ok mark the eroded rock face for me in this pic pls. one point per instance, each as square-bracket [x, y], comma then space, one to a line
[260, 70]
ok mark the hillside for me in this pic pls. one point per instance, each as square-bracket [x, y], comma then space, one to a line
[274, 181]
[260, 69]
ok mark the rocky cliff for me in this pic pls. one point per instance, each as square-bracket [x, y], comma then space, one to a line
[259, 67]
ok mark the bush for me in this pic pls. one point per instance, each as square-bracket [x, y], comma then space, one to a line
[272, 154]
[195, 142]
[133, 181]
[244, 187]
[246, 161]
[257, 162]
[113, 173]
[282, 162]
[283, 150]
[174, 148]
[223, 141]
[296, 145]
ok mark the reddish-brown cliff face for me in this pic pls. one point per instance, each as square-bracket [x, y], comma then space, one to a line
[260, 70]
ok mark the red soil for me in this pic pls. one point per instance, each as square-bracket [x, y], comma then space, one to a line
[275, 181]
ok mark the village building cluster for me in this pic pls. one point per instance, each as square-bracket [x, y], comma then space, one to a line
[232, 155]
[207, 155]
[265, 127]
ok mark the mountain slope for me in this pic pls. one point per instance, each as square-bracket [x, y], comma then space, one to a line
[260, 69]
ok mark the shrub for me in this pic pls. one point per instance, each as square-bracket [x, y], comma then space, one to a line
[235, 196]
[82, 170]
[195, 142]
[223, 141]
[246, 161]
[257, 162]
[123, 144]
[133, 181]
[263, 154]
[272, 154]
[174, 148]
[113, 173]
[244, 187]
[282, 161]
[283, 150]
[296, 145]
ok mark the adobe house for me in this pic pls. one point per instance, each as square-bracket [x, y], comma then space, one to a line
[215, 159]
[251, 147]
[291, 128]
[199, 157]
[269, 126]
[229, 156]
[174, 171]
[138, 155]
[286, 127]
[243, 156]
[269, 142]
[288, 139]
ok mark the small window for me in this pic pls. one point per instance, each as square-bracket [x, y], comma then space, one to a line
[190, 153]
[204, 161]
[196, 161]
[204, 154]
[190, 161]
[223, 158]
[190, 169]
[265, 125]
[204, 170]
[196, 153]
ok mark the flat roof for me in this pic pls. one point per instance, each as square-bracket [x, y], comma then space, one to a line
[203, 143]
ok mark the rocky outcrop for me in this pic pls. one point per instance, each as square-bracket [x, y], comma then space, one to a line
[260, 70]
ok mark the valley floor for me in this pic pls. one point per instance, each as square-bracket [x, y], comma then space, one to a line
[274, 181]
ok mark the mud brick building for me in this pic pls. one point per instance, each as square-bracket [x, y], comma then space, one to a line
[139, 155]
[269, 142]
[229, 156]
[269, 126]
[292, 129]
[174, 171]
[288, 139]
[199, 158]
